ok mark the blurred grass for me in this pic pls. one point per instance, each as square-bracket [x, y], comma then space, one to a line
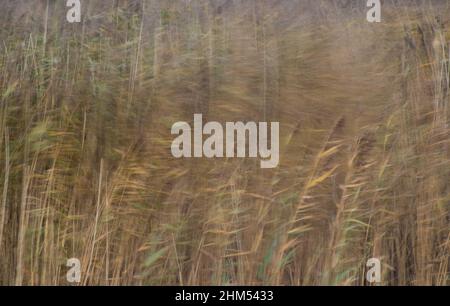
[86, 169]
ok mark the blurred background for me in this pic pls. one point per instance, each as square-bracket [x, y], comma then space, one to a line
[86, 170]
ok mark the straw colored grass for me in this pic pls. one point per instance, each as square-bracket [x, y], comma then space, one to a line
[85, 164]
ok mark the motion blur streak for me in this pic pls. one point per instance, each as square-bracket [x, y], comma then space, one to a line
[86, 171]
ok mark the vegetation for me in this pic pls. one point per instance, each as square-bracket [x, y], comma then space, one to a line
[85, 163]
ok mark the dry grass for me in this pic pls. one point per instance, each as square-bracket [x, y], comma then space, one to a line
[86, 169]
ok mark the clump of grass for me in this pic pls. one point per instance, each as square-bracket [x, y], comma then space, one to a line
[86, 170]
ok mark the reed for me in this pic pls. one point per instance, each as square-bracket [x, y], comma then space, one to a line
[86, 171]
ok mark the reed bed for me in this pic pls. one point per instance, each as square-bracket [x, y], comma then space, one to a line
[86, 170]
